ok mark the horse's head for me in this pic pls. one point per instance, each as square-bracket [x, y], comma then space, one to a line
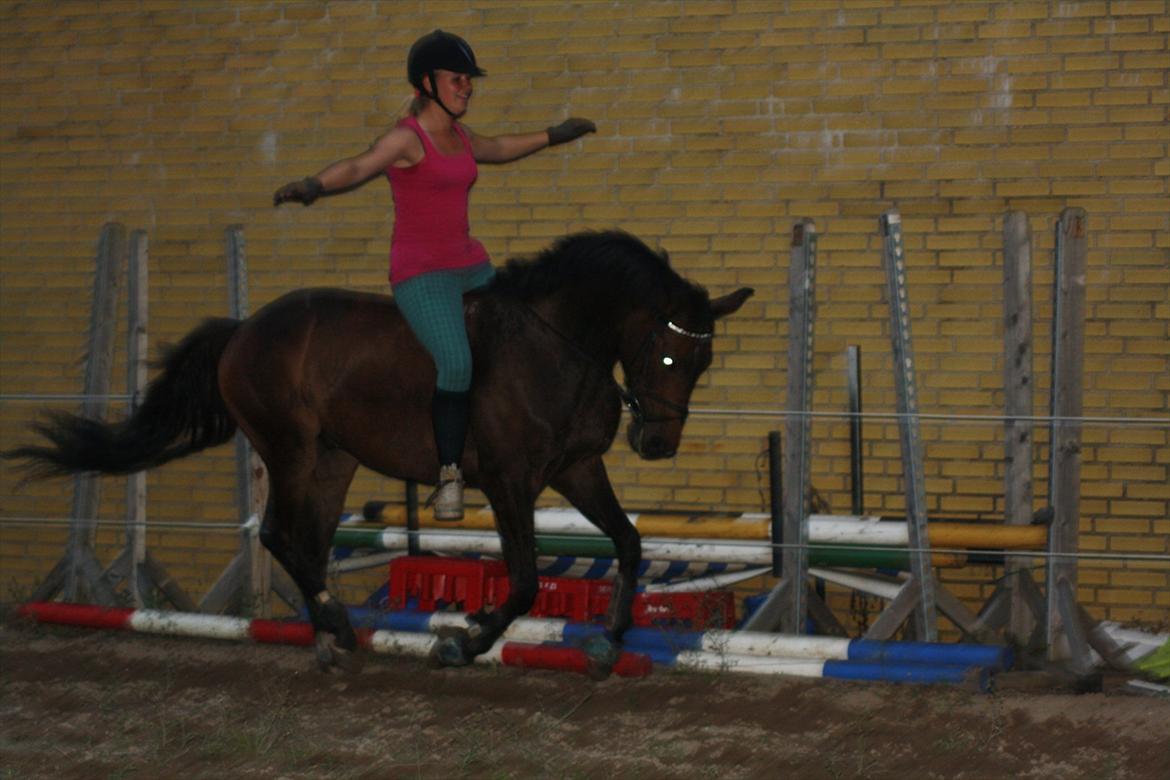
[663, 355]
[607, 289]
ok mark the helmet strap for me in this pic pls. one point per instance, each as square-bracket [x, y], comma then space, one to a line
[434, 95]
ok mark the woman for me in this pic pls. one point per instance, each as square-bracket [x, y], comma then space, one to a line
[430, 159]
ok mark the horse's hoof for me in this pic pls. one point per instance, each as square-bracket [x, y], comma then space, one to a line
[322, 646]
[329, 654]
[450, 651]
[350, 661]
[600, 656]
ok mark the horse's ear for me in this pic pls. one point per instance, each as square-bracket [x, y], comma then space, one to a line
[729, 304]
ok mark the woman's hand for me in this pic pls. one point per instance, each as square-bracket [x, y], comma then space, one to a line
[304, 191]
[570, 130]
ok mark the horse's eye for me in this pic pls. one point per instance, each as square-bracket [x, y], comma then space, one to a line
[667, 360]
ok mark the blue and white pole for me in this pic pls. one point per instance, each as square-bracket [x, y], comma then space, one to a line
[743, 651]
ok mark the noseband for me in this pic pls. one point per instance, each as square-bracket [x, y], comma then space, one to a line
[630, 394]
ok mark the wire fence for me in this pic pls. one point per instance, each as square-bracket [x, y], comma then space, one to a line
[776, 414]
[235, 530]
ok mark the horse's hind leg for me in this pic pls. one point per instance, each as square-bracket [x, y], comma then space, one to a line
[586, 485]
[306, 496]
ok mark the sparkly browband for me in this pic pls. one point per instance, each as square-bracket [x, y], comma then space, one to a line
[687, 333]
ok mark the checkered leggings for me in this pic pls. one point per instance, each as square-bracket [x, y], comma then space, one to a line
[433, 306]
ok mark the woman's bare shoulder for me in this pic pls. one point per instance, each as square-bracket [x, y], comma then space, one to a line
[400, 144]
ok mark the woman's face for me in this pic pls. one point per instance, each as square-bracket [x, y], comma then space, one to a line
[454, 90]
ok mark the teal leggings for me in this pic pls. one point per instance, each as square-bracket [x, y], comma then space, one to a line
[433, 306]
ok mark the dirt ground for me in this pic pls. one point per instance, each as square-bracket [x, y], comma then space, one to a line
[77, 704]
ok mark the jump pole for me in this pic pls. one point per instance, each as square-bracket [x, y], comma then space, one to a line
[822, 529]
[748, 652]
[690, 550]
[185, 624]
[745, 652]
[746, 643]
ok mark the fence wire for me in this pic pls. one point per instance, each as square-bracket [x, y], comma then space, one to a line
[232, 529]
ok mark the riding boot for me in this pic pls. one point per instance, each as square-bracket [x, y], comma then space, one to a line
[448, 499]
[450, 414]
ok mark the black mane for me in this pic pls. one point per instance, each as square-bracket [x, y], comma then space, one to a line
[599, 265]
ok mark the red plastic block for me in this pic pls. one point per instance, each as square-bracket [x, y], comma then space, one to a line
[703, 610]
[441, 582]
[435, 583]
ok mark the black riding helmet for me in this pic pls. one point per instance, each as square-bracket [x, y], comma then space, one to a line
[439, 50]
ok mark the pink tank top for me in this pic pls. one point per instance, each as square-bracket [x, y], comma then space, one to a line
[431, 232]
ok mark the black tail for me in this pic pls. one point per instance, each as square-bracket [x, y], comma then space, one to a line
[182, 412]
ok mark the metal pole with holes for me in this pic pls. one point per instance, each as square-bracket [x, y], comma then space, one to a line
[1065, 633]
[786, 606]
[856, 439]
[251, 477]
[920, 597]
[1018, 392]
[136, 371]
[82, 573]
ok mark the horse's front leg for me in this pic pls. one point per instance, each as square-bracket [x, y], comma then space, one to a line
[514, 522]
[586, 485]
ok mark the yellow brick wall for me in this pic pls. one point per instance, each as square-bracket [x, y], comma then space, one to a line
[720, 124]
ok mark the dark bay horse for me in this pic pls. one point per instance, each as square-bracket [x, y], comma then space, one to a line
[323, 380]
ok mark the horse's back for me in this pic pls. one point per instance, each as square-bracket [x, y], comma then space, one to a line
[327, 363]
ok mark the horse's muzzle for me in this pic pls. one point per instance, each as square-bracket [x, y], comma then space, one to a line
[649, 446]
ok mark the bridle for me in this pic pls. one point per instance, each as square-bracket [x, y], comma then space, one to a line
[630, 393]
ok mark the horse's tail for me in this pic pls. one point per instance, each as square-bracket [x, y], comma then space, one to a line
[182, 412]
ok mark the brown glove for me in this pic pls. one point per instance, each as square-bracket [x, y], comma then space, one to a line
[305, 191]
[569, 130]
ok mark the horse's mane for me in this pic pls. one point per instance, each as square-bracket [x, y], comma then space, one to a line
[609, 263]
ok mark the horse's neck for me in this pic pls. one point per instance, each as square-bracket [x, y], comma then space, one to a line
[591, 323]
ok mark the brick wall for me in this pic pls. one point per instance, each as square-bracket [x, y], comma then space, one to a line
[720, 125]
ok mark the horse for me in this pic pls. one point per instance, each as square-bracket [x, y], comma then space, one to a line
[322, 380]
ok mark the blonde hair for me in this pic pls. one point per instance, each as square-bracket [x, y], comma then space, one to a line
[412, 106]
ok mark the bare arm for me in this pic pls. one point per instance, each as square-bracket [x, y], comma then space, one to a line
[399, 144]
[505, 148]
[384, 152]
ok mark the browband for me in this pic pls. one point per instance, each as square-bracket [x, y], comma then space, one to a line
[687, 333]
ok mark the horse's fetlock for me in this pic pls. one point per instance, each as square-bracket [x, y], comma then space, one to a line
[331, 617]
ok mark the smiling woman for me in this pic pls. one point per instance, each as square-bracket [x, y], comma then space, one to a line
[430, 160]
